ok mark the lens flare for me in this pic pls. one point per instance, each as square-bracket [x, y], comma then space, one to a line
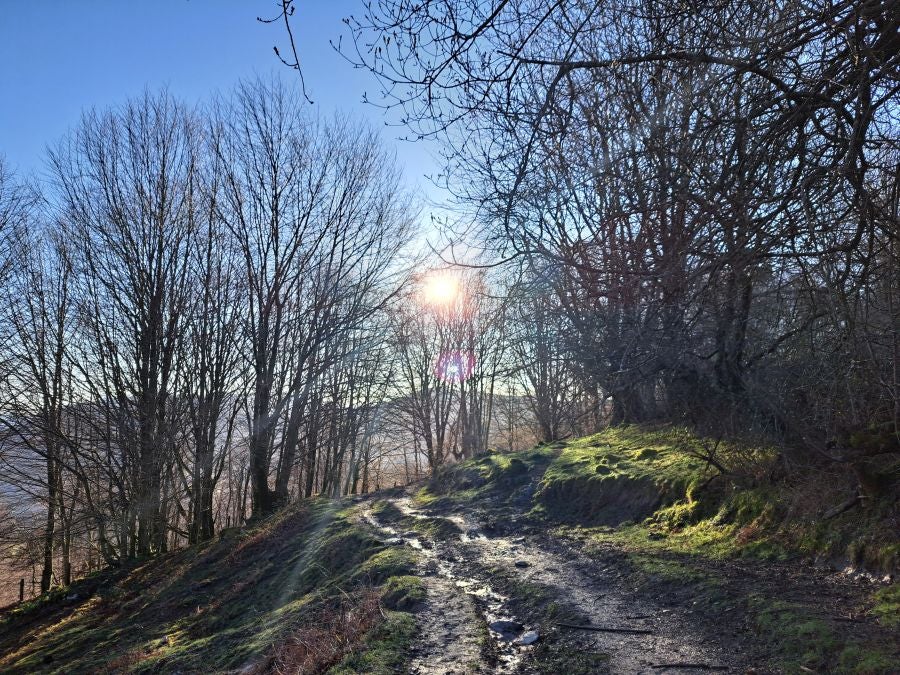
[455, 366]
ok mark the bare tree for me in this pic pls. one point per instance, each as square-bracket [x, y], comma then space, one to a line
[128, 183]
[317, 218]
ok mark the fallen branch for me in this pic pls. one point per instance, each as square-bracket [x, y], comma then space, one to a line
[695, 666]
[605, 629]
[841, 508]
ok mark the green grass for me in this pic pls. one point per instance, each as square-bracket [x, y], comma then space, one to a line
[806, 643]
[405, 593]
[858, 660]
[433, 528]
[887, 605]
[390, 562]
[211, 608]
[799, 639]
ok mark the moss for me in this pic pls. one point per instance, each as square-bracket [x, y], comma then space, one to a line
[426, 497]
[386, 512]
[677, 515]
[887, 605]
[389, 562]
[621, 474]
[434, 528]
[404, 593]
[652, 477]
[492, 475]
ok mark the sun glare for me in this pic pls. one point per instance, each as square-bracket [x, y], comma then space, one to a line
[440, 289]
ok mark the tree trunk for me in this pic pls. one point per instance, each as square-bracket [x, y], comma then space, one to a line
[47, 571]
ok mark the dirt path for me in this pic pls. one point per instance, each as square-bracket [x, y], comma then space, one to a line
[448, 625]
[481, 580]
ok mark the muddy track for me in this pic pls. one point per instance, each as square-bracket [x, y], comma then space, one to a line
[454, 634]
[463, 574]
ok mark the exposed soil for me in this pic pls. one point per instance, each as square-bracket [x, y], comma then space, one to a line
[497, 565]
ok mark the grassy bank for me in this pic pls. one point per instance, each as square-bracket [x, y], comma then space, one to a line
[674, 510]
[302, 588]
[663, 488]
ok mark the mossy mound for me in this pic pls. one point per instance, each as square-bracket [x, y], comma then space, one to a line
[619, 475]
[494, 475]
[405, 593]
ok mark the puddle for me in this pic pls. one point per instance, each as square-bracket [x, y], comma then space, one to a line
[392, 536]
[491, 605]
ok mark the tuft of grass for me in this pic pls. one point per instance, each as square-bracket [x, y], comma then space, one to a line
[433, 528]
[887, 605]
[389, 562]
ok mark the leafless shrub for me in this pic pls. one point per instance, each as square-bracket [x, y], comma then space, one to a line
[338, 629]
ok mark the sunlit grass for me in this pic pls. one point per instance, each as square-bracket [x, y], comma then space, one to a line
[213, 608]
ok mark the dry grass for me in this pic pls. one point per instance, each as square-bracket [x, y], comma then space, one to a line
[124, 662]
[748, 533]
[315, 648]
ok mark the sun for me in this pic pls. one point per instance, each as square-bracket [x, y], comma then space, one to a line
[440, 289]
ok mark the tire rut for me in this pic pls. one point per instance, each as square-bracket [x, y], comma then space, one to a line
[465, 565]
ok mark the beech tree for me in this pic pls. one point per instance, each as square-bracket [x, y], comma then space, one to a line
[129, 189]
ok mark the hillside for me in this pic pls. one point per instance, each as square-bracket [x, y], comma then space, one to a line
[619, 552]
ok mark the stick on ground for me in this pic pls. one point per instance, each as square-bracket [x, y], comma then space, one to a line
[606, 629]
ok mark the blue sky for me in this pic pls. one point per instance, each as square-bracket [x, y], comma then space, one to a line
[59, 57]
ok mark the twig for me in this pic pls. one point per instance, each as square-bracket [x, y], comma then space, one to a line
[696, 666]
[605, 629]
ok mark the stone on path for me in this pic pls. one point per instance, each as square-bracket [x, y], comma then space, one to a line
[508, 628]
[528, 638]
